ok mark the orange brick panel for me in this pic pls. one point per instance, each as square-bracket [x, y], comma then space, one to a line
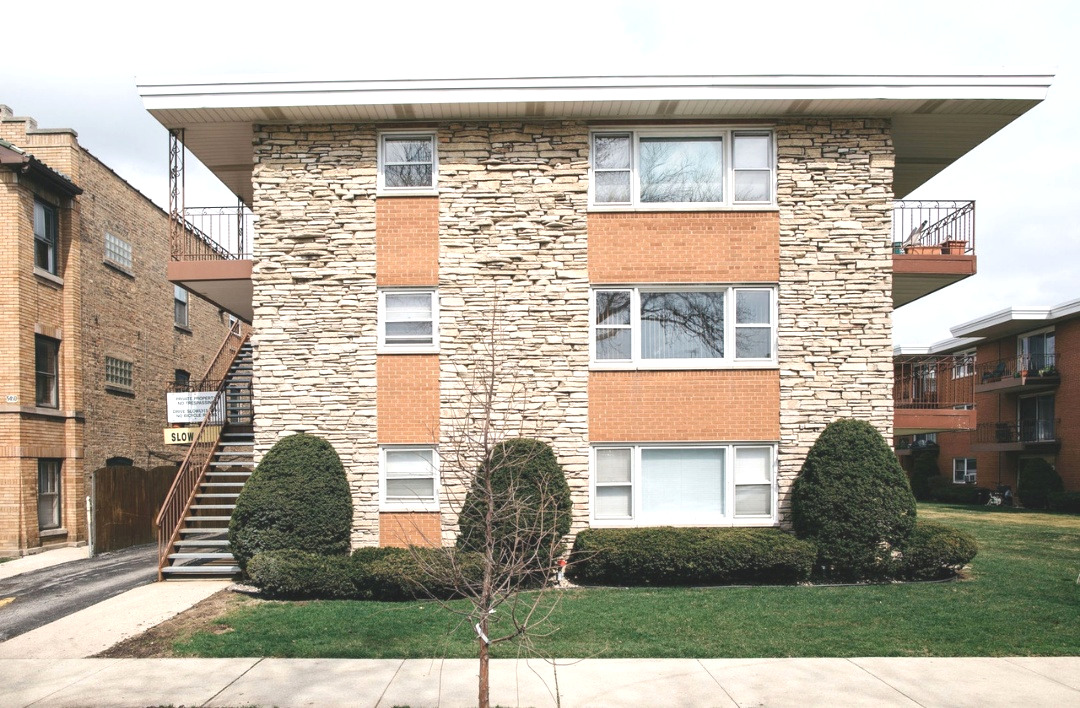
[627, 406]
[410, 529]
[688, 247]
[407, 398]
[1067, 402]
[407, 241]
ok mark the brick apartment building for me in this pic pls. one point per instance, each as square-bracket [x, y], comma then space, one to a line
[94, 332]
[692, 276]
[1015, 371]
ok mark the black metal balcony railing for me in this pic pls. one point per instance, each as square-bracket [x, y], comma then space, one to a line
[940, 381]
[1026, 365]
[946, 227]
[1029, 430]
[213, 233]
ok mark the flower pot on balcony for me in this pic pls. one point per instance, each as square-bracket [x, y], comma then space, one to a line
[924, 250]
[954, 247]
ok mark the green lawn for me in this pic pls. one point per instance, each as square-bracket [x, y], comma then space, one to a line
[1020, 598]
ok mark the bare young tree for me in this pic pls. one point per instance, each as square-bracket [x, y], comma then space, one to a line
[507, 552]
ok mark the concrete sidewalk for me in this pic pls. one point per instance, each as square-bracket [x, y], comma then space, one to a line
[592, 682]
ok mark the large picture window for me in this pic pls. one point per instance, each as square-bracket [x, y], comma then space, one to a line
[649, 485]
[691, 167]
[46, 236]
[690, 327]
[409, 478]
[47, 371]
[407, 162]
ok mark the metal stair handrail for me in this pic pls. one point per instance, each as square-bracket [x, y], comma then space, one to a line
[225, 356]
[196, 462]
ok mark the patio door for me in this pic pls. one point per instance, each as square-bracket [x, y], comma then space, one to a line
[1035, 351]
[1036, 418]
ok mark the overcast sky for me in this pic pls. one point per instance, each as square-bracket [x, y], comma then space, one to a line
[78, 68]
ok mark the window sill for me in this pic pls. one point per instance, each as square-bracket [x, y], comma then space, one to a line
[120, 390]
[52, 533]
[406, 350]
[182, 329]
[113, 265]
[631, 523]
[409, 508]
[429, 192]
[48, 277]
[682, 366]
[603, 208]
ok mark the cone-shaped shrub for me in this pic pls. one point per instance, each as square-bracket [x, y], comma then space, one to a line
[1038, 480]
[853, 501]
[297, 498]
[529, 499]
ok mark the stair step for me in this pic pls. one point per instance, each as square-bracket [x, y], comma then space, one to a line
[222, 484]
[208, 531]
[201, 556]
[209, 507]
[212, 473]
[215, 542]
[215, 495]
[200, 569]
[189, 519]
[229, 464]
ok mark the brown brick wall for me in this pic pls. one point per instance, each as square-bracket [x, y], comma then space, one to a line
[410, 529]
[407, 398]
[715, 405]
[407, 241]
[1067, 402]
[689, 247]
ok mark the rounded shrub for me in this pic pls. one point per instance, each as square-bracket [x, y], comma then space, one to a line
[290, 574]
[853, 501]
[524, 487]
[666, 556]
[1068, 502]
[942, 489]
[392, 574]
[936, 551]
[1038, 480]
[297, 498]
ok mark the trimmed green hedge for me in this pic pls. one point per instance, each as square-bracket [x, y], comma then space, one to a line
[290, 574]
[1064, 501]
[936, 551]
[1038, 480]
[853, 501]
[689, 556]
[297, 498]
[944, 490]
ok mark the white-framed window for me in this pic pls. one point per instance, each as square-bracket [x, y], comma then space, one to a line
[408, 163]
[408, 478]
[963, 364]
[180, 306]
[46, 372]
[720, 484]
[117, 251]
[408, 321]
[46, 236]
[963, 470]
[1035, 351]
[683, 168]
[119, 372]
[48, 494]
[686, 326]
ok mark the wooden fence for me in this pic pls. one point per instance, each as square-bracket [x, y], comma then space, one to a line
[125, 502]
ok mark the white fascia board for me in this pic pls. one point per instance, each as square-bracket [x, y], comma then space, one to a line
[1010, 314]
[1071, 308]
[240, 93]
[945, 346]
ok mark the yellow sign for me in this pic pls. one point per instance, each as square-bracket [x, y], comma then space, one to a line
[185, 436]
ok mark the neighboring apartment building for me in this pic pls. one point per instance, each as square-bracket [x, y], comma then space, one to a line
[692, 275]
[94, 332]
[1020, 366]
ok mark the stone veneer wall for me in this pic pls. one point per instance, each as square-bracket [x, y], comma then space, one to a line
[314, 325]
[512, 227]
[512, 211]
[834, 191]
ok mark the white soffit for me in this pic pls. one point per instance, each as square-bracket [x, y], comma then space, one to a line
[936, 119]
[945, 346]
[1015, 320]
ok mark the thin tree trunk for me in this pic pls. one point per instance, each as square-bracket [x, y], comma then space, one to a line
[483, 699]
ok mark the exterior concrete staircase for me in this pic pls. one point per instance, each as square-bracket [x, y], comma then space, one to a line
[201, 548]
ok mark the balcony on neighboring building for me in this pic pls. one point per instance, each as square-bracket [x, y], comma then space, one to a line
[933, 393]
[1036, 435]
[933, 246]
[211, 255]
[1026, 373]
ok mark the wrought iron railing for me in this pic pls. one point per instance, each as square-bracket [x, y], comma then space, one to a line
[1025, 365]
[1025, 430]
[938, 381]
[213, 233]
[920, 226]
[197, 460]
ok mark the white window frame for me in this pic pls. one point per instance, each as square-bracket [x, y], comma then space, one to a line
[51, 469]
[973, 474]
[386, 504]
[118, 252]
[728, 361]
[727, 135]
[385, 347]
[433, 188]
[963, 364]
[728, 518]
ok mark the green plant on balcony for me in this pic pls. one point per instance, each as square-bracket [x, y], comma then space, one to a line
[1048, 371]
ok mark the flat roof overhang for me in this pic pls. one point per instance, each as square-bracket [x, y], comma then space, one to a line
[225, 283]
[1016, 320]
[918, 275]
[915, 421]
[936, 118]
